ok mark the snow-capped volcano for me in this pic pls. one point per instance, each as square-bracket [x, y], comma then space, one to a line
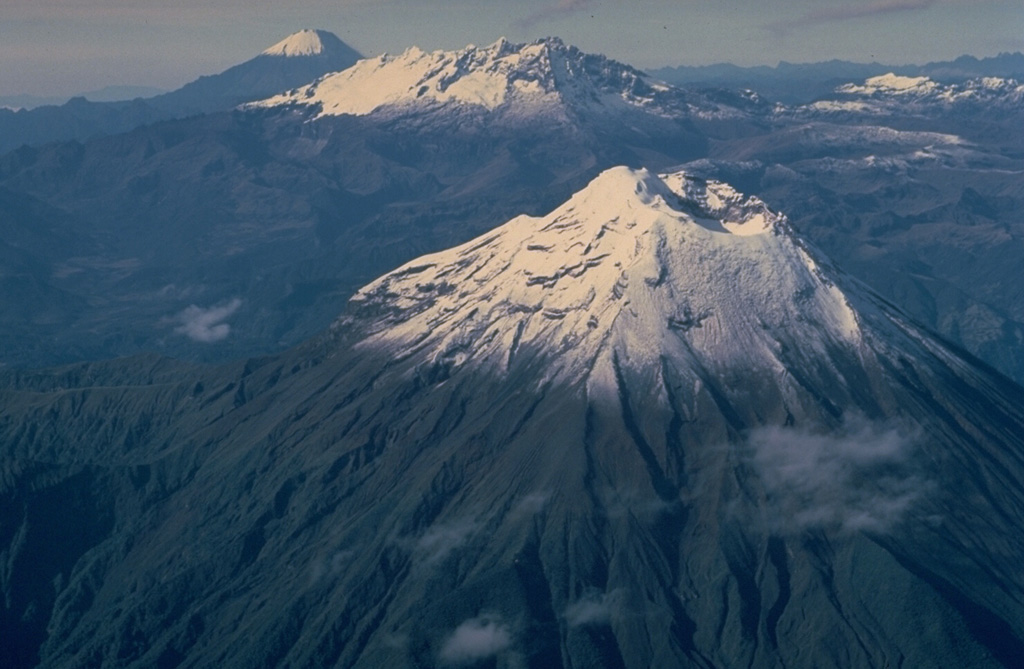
[635, 266]
[651, 428]
[541, 75]
[298, 58]
[303, 43]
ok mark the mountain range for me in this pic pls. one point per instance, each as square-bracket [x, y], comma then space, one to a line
[295, 60]
[290, 212]
[105, 94]
[241, 232]
[800, 83]
[515, 355]
[653, 426]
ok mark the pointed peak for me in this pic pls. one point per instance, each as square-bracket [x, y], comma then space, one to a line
[303, 43]
[625, 269]
[503, 47]
[553, 42]
[713, 204]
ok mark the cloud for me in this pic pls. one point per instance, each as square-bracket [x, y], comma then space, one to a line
[857, 10]
[593, 608]
[558, 10]
[329, 566]
[858, 478]
[476, 639]
[206, 325]
[619, 502]
[531, 504]
[440, 540]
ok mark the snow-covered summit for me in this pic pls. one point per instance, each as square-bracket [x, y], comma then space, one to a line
[891, 84]
[303, 43]
[545, 74]
[633, 267]
[891, 93]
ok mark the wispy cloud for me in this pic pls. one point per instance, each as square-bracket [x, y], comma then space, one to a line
[439, 541]
[593, 608]
[330, 566]
[476, 639]
[853, 10]
[860, 478]
[206, 325]
[560, 9]
[531, 504]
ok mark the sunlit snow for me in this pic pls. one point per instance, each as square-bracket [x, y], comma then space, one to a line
[635, 263]
[891, 93]
[302, 43]
[535, 76]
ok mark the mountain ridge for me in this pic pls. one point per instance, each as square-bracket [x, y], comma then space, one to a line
[863, 187]
[894, 94]
[530, 79]
[800, 83]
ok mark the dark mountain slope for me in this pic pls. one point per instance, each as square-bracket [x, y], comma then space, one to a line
[517, 486]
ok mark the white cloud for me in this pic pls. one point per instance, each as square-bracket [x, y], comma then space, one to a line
[531, 505]
[593, 608]
[206, 325]
[329, 566]
[476, 639]
[858, 478]
[440, 540]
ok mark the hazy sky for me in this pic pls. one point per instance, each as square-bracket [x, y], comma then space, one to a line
[60, 47]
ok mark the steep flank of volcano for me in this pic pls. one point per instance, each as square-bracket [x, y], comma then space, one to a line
[634, 267]
[652, 428]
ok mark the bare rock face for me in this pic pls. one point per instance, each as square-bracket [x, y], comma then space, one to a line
[652, 428]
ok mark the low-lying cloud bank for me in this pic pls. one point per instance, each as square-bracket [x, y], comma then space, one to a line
[861, 477]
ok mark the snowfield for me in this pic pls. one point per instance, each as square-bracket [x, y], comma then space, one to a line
[632, 266]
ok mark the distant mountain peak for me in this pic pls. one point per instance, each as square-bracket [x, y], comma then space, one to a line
[304, 43]
[633, 267]
[891, 84]
[893, 93]
[543, 73]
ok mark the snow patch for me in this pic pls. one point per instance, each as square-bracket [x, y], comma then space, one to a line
[893, 94]
[892, 84]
